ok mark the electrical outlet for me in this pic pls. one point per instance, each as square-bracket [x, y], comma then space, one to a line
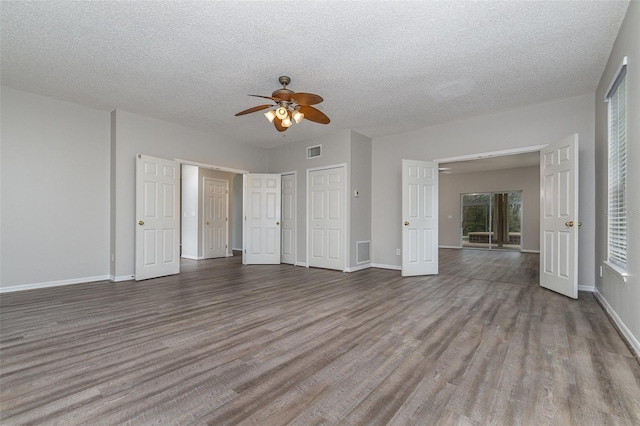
[398, 252]
[113, 257]
[600, 271]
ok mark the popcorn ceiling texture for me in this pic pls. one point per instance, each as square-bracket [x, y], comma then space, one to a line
[382, 67]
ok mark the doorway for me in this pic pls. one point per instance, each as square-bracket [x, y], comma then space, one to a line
[491, 220]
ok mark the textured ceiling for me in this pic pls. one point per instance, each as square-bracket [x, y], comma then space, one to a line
[382, 67]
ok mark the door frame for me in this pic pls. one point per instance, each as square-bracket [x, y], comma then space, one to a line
[345, 211]
[219, 169]
[500, 153]
[295, 216]
[204, 206]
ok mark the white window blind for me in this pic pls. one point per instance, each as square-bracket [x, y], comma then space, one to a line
[617, 212]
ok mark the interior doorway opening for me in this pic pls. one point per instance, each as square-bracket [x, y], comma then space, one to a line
[491, 220]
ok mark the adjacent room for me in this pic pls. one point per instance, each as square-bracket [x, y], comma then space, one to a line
[319, 212]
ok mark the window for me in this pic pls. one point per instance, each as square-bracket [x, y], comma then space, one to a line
[617, 211]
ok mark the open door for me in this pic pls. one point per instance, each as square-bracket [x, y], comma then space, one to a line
[420, 218]
[158, 217]
[559, 217]
[262, 197]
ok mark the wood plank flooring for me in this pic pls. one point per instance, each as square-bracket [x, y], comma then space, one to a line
[223, 343]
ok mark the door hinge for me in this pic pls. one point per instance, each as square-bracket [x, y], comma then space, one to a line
[139, 156]
[226, 246]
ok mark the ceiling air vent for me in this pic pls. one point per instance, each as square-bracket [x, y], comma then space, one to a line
[314, 151]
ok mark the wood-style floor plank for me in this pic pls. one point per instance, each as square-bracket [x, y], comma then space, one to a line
[223, 343]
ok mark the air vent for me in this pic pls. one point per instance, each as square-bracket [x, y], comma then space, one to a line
[314, 151]
[362, 252]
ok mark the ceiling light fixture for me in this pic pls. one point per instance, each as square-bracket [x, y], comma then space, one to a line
[289, 106]
[270, 115]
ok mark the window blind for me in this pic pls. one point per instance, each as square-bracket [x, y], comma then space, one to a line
[617, 212]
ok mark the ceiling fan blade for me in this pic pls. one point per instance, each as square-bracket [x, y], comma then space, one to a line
[306, 98]
[313, 114]
[267, 97]
[278, 123]
[254, 109]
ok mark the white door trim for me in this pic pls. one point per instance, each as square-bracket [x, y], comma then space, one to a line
[212, 166]
[499, 153]
[295, 215]
[226, 225]
[345, 211]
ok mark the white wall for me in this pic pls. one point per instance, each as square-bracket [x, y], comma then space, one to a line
[451, 186]
[55, 191]
[189, 211]
[534, 125]
[622, 298]
[138, 134]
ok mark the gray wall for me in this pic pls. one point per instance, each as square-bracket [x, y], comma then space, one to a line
[336, 149]
[343, 147]
[360, 216]
[533, 125]
[622, 298]
[55, 190]
[526, 179]
[138, 134]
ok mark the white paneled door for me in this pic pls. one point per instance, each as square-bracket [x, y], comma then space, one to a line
[559, 221]
[262, 219]
[288, 245]
[158, 217]
[420, 218]
[326, 215]
[215, 218]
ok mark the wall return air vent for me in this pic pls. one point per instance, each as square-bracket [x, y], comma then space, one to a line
[314, 151]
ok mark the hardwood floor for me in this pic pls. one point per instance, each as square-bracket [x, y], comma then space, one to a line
[222, 343]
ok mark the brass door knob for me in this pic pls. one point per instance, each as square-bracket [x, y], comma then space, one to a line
[406, 223]
[141, 222]
[208, 223]
[579, 223]
[277, 223]
[569, 224]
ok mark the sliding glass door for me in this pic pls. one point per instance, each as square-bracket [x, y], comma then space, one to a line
[492, 220]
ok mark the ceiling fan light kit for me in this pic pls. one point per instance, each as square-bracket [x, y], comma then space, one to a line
[289, 107]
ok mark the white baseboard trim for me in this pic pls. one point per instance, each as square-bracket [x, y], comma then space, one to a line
[121, 278]
[303, 264]
[358, 268]
[450, 247]
[35, 286]
[186, 256]
[530, 251]
[383, 266]
[630, 338]
[588, 288]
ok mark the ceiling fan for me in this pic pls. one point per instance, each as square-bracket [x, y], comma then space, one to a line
[289, 107]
